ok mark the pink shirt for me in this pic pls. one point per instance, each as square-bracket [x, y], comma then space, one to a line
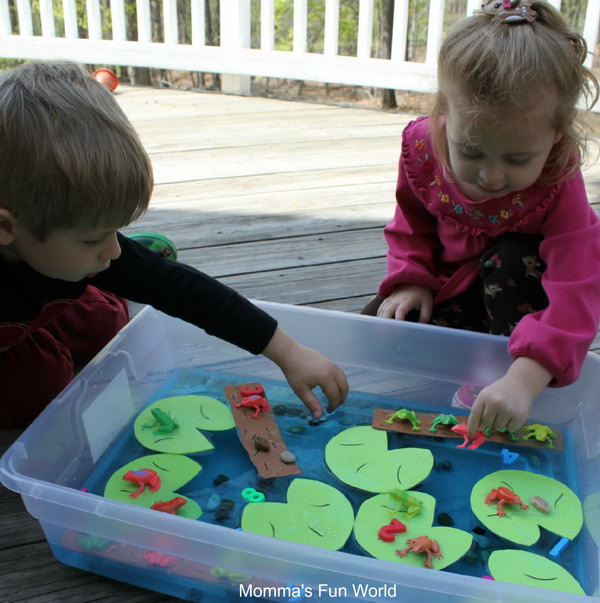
[437, 237]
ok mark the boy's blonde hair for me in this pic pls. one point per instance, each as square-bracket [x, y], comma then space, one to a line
[69, 157]
[502, 66]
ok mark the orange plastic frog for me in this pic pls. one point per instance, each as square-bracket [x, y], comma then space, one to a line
[258, 403]
[504, 496]
[169, 506]
[425, 545]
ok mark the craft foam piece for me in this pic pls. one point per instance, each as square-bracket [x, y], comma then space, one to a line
[508, 458]
[523, 526]
[529, 569]
[378, 511]
[559, 547]
[174, 472]
[190, 413]
[268, 463]
[315, 513]
[359, 456]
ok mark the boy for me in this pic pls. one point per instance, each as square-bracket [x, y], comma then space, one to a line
[73, 171]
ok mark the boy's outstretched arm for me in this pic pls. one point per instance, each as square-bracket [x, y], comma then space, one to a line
[304, 369]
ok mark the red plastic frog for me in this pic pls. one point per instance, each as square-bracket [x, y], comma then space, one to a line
[258, 403]
[251, 389]
[169, 506]
[388, 532]
[143, 478]
[504, 496]
[478, 440]
[422, 544]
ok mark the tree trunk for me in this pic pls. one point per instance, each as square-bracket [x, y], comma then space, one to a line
[388, 97]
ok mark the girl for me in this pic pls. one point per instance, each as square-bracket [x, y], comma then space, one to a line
[493, 231]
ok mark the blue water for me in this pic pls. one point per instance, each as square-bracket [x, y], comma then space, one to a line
[308, 443]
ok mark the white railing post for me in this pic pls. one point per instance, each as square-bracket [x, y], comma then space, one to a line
[5, 24]
[435, 29]
[70, 15]
[365, 29]
[590, 29]
[24, 14]
[300, 25]
[267, 24]
[399, 31]
[170, 26]
[47, 18]
[235, 33]
[198, 23]
[117, 13]
[94, 20]
[332, 27]
[144, 21]
[473, 5]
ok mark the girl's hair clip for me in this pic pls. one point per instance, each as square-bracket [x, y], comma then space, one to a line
[504, 11]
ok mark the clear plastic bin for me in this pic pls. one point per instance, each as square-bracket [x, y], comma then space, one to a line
[49, 463]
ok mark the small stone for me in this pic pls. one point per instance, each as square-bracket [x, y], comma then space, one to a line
[221, 514]
[445, 520]
[313, 422]
[265, 482]
[297, 429]
[287, 457]
[261, 444]
[478, 530]
[228, 504]
[540, 504]
[220, 479]
[446, 465]
[534, 460]
[471, 557]
[214, 500]
[279, 409]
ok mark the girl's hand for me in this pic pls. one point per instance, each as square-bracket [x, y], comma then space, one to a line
[506, 403]
[405, 298]
[305, 369]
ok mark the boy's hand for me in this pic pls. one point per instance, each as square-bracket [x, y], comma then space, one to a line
[405, 298]
[305, 369]
[507, 402]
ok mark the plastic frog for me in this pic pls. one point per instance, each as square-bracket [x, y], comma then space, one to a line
[169, 506]
[442, 419]
[504, 496]
[143, 478]
[405, 415]
[422, 544]
[542, 433]
[258, 403]
[511, 434]
[164, 421]
[478, 440]
[408, 505]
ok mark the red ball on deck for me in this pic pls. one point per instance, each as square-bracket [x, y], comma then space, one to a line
[108, 78]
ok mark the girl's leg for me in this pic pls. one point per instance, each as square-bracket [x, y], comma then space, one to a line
[511, 273]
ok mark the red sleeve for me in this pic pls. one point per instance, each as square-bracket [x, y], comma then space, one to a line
[559, 336]
[412, 241]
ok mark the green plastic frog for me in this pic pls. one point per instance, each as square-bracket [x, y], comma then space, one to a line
[542, 433]
[407, 505]
[442, 419]
[405, 415]
[163, 422]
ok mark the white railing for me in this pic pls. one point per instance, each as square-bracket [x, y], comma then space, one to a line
[35, 35]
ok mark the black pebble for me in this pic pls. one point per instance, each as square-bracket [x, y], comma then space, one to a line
[279, 409]
[445, 520]
[446, 465]
[220, 479]
[478, 530]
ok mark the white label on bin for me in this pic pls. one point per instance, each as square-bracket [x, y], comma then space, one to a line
[107, 414]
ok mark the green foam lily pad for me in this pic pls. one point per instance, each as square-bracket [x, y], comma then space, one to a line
[523, 526]
[529, 569]
[189, 413]
[359, 457]
[376, 512]
[174, 472]
[315, 514]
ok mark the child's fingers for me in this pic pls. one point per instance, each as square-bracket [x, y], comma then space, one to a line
[475, 419]
[336, 390]
[310, 400]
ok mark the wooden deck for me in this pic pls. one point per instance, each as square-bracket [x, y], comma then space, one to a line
[284, 201]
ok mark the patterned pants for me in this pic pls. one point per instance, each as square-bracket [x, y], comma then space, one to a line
[508, 287]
